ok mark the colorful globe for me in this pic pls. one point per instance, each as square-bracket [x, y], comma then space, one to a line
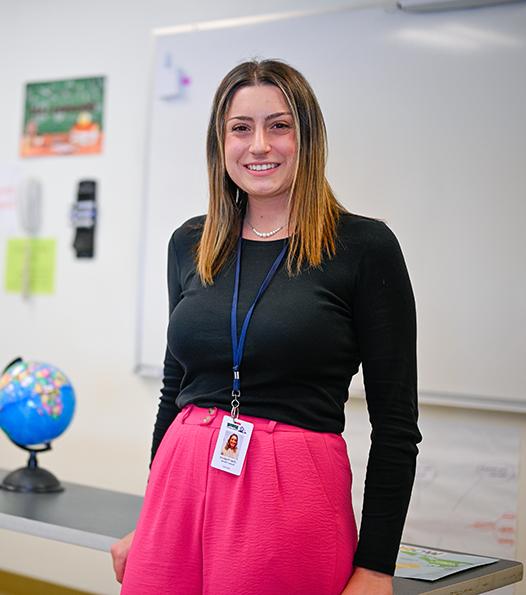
[37, 402]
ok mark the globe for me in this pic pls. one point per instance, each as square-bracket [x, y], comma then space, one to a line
[37, 403]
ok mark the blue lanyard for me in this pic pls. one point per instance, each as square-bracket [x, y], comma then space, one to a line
[238, 346]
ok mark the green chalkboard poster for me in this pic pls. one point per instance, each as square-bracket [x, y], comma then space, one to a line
[63, 117]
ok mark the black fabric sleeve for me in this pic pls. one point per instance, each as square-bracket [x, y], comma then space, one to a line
[172, 370]
[385, 318]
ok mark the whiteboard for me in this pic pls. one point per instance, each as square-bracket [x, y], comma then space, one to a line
[427, 131]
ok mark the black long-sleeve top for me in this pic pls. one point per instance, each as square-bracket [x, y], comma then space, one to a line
[307, 338]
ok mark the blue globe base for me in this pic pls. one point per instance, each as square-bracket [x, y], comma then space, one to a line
[35, 480]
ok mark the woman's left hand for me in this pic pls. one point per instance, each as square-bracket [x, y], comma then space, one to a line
[369, 582]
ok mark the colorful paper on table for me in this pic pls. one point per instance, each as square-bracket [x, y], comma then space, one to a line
[430, 564]
[63, 117]
[42, 265]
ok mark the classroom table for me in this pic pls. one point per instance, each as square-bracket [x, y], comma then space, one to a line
[96, 518]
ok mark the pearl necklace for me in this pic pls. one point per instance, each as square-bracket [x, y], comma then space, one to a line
[265, 234]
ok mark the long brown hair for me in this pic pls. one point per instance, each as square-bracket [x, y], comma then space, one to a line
[312, 205]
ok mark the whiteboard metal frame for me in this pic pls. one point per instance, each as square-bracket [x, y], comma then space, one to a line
[268, 18]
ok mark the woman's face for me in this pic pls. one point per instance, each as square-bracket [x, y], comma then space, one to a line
[232, 442]
[260, 142]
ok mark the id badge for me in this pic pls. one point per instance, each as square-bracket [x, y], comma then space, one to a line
[232, 444]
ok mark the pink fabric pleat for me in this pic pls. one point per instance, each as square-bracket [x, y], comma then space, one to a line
[285, 525]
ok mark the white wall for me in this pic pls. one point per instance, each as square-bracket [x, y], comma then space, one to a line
[88, 326]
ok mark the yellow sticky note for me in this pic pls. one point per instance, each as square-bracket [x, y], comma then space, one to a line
[34, 259]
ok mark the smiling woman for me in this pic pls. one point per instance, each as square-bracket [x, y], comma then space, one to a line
[278, 387]
[260, 153]
[269, 102]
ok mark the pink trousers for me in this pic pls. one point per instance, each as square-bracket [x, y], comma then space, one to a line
[284, 526]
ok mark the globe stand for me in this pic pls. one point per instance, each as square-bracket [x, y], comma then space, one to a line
[32, 478]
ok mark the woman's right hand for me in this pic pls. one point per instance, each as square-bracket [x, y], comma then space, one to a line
[119, 553]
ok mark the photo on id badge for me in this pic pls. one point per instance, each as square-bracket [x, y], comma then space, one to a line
[231, 446]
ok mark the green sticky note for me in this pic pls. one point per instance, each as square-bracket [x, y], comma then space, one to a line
[33, 259]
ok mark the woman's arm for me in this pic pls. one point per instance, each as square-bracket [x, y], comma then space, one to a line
[167, 410]
[172, 370]
[119, 554]
[369, 582]
[385, 322]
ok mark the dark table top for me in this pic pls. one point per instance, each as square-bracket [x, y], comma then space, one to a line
[80, 515]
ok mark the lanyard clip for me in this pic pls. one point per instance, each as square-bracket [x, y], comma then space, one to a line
[234, 412]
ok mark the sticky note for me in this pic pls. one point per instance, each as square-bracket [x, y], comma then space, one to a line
[34, 257]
